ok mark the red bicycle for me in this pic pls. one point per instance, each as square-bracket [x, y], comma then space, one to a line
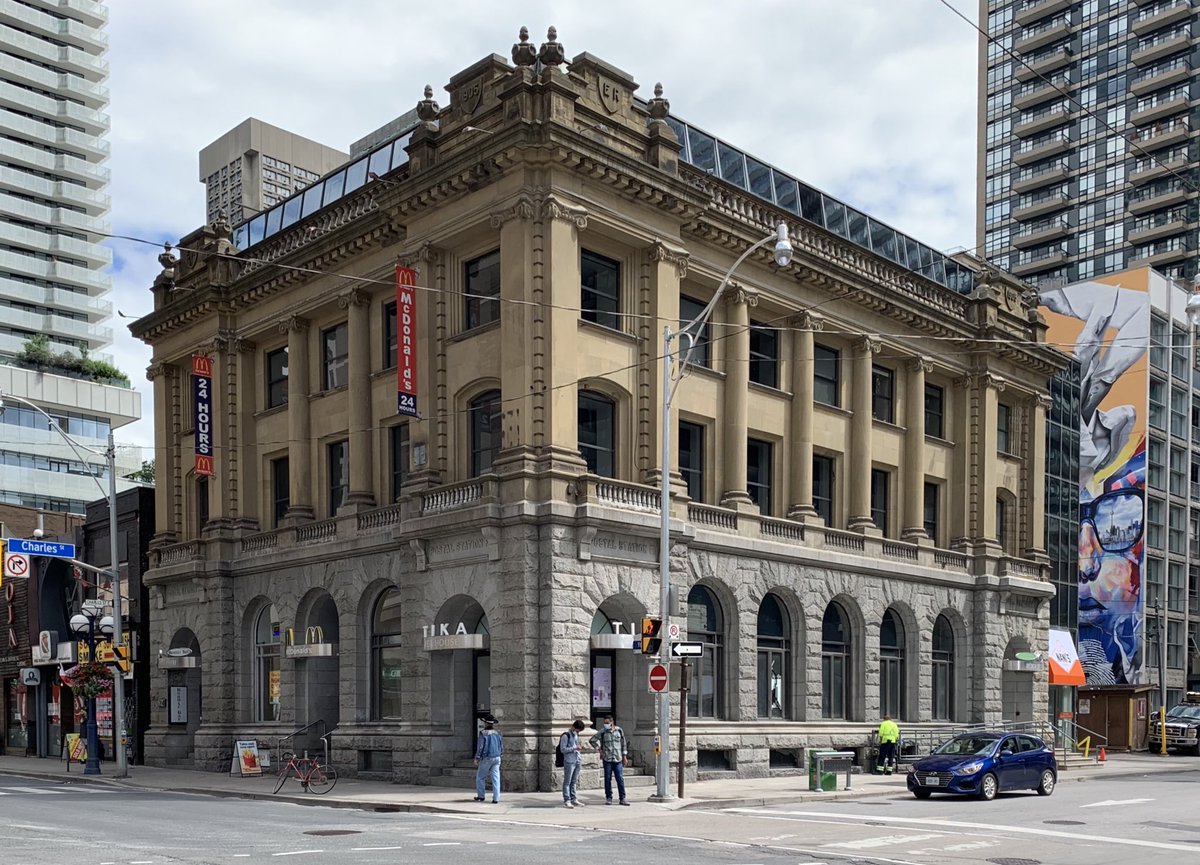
[312, 775]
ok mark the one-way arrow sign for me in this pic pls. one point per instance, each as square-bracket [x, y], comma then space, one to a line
[683, 650]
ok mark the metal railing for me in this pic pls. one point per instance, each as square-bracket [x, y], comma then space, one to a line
[317, 726]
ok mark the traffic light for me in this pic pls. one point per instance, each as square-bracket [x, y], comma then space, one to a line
[651, 636]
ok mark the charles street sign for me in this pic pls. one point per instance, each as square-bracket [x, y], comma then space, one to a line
[41, 548]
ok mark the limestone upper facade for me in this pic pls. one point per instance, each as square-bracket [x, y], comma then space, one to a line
[850, 436]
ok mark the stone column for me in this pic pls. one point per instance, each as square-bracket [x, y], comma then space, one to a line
[737, 389]
[990, 388]
[1035, 478]
[858, 476]
[248, 496]
[666, 267]
[800, 480]
[362, 489]
[166, 454]
[914, 451]
[300, 463]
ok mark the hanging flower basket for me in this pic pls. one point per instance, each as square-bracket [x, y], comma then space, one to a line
[89, 679]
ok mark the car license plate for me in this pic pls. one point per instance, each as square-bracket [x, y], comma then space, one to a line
[932, 781]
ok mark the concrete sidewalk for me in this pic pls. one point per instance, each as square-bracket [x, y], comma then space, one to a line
[382, 796]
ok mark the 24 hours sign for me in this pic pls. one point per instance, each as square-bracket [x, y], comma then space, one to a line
[202, 381]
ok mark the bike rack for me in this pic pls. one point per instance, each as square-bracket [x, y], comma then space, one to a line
[323, 736]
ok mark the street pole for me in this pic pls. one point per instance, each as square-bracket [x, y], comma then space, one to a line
[684, 683]
[1160, 613]
[118, 638]
[92, 765]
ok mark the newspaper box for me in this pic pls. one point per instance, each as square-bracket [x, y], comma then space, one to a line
[825, 766]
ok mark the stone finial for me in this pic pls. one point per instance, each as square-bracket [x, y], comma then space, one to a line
[552, 53]
[167, 260]
[524, 54]
[427, 108]
[659, 107]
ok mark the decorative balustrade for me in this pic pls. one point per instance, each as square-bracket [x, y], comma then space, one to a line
[309, 533]
[629, 496]
[449, 498]
[380, 518]
[1021, 568]
[783, 529]
[950, 560]
[179, 553]
[714, 517]
[261, 541]
[900, 550]
[850, 541]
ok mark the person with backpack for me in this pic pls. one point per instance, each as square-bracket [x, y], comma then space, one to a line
[489, 748]
[568, 755]
[614, 754]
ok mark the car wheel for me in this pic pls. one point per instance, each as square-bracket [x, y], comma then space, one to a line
[1046, 786]
[988, 787]
[922, 794]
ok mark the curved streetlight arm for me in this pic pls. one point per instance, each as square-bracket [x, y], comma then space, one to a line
[75, 446]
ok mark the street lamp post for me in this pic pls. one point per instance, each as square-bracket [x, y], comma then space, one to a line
[671, 377]
[85, 624]
[114, 584]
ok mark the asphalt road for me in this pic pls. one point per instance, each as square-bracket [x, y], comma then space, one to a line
[1144, 819]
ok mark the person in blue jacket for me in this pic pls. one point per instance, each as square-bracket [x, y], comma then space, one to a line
[488, 749]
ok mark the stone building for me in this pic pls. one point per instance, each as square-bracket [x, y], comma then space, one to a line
[857, 451]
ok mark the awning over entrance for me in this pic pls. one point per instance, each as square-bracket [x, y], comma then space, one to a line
[1065, 668]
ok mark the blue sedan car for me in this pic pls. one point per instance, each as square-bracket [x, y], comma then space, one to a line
[984, 764]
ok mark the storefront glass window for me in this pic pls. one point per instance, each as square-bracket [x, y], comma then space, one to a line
[266, 665]
[773, 659]
[18, 718]
[835, 667]
[892, 671]
[705, 626]
[943, 670]
[386, 658]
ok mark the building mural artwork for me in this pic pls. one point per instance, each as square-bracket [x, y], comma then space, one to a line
[1107, 321]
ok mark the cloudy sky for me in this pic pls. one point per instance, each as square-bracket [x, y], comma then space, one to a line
[872, 101]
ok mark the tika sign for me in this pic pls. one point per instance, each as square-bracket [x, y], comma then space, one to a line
[406, 341]
[202, 380]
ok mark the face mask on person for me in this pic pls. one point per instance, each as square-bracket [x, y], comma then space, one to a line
[608, 726]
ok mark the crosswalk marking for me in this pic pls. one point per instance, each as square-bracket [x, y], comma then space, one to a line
[48, 791]
[883, 841]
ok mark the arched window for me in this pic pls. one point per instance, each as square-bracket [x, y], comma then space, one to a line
[774, 659]
[266, 665]
[892, 685]
[597, 433]
[943, 670]
[385, 657]
[484, 413]
[835, 663]
[705, 626]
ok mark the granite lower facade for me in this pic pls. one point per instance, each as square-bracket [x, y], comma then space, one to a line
[399, 635]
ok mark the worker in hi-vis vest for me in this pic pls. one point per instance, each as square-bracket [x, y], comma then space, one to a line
[889, 738]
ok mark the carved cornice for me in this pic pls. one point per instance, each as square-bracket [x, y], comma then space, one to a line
[424, 253]
[159, 369]
[920, 363]
[552, 208]
[523, 208]
[353, 297]
[243, 346]
[294, 323]
[740, 294]
[982, 380]
[660, 252]
[868, 345]
[806, 320]
[1040, 401]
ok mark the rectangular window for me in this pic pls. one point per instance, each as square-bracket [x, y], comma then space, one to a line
[759, 465]
[339, 474]
[935, 411]
[597, 433]
[691, 459]
[600, 291]
[391, 342]
[764, 355]
[931, 512]
[201, 504]
[822, 492]
[825, 375]
[277, 377]
[335, 348]
[481, 284]
[883, 403]
[880, 492]
[399, 449]
[690, 310]
[1003, 419]
[281, 495]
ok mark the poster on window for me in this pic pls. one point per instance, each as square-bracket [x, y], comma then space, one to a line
[177, 704]
[202, 384]
[406, 341]
[273, 692]
[601, 687]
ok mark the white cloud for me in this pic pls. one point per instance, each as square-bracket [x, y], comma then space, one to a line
[873, 102]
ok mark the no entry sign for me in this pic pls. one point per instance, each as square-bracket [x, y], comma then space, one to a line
[657, 678]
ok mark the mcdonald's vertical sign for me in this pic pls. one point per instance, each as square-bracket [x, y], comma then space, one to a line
[406, 341]
[202, 389]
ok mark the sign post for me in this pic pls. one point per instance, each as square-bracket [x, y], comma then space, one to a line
[685, 670]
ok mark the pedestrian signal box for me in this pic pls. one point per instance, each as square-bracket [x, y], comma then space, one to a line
[651, 636]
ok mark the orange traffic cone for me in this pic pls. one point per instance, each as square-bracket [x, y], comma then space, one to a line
[1103, 757]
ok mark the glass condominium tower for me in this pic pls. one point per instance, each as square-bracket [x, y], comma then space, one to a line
[1087, 159]
[53, 208]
